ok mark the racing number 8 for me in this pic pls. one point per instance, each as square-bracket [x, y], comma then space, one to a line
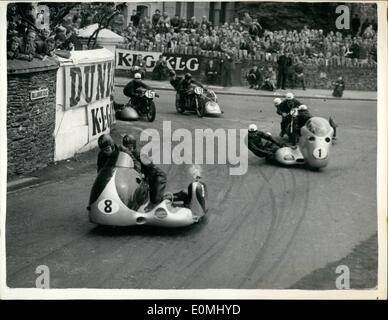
[108, 204]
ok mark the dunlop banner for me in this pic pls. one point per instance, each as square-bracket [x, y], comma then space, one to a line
[87, 83]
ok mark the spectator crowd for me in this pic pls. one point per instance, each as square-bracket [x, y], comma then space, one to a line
[242, 39]
[246, 39]
[25, 41]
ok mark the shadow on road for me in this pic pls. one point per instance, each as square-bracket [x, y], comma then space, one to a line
[148, 231]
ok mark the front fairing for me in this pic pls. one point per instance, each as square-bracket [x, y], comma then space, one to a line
[315, 142]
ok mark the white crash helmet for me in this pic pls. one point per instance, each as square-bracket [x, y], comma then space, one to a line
[289, 96]
[252, 128]
[277, 101]
[137, 76]
[302, 107]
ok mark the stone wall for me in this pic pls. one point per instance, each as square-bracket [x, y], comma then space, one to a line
[318, 77]
[30, 123]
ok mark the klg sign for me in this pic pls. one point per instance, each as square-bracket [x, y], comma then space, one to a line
[100, 119]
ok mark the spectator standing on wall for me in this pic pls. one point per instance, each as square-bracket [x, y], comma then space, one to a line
[155, 18]
[227, 70]
[175, 22]
[299, 74]
[365, 25]
[254, 29]
[135, 18]
[363, 53]
[118, 21]
[205, 22]
[354, 50]
[355, 25]
[247, 20]
[284, 62]
[165, 19]
[212, 71]
[236, 24]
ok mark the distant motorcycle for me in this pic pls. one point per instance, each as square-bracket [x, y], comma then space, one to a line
[144, 107]
[199, 100]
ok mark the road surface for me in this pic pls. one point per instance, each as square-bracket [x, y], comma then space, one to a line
[265, 229]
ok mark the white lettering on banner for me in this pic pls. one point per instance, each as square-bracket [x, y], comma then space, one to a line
[192, 64]
[100, 118]
[125, 60]
[179, 63]
[85, 84]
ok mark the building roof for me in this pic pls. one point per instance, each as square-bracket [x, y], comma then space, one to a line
[104, 34]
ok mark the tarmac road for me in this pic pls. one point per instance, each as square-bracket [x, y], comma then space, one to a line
[265, 229]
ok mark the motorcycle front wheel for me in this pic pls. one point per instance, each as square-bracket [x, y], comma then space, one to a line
[151, 114]
[199, 108]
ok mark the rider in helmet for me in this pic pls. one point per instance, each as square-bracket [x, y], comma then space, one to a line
[129, 147]
[276, 103]
[303, 115]
[284, 109]
[262, 144]
[108, 151]
[130, 90]
[175, 82]
[185, 85]
[155, 177]
[157, 180]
